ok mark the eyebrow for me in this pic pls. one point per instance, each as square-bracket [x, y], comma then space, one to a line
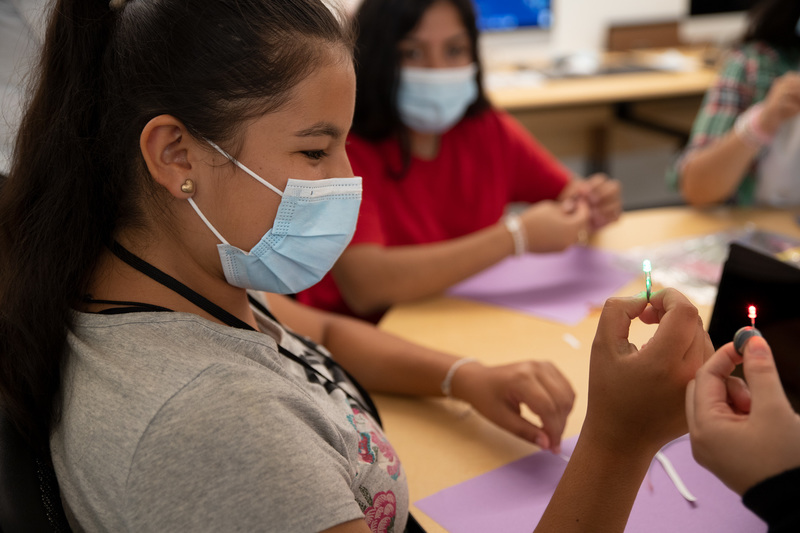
[321, 129]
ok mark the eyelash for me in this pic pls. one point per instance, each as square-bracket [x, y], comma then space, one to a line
[316, 155]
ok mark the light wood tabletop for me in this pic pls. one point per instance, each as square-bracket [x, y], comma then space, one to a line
[624, 85]
[606, 89]
[439, 441]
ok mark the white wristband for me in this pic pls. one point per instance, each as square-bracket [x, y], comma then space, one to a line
[748, 129]
[447, 383]
[517, 231]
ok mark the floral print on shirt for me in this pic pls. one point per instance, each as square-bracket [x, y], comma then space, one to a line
[381, 511]
[372, 445]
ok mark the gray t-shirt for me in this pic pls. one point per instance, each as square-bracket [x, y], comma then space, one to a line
[172, 422]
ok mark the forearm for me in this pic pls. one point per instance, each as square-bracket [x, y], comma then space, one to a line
[384, 363]
[713, 173]
[379, 361]
[371, 278]
[598, 488]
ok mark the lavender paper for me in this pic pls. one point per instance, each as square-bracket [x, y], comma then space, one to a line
[562, 287]
[513, 498]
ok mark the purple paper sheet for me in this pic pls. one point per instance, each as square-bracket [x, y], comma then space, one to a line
[513, 498]
[563, 286]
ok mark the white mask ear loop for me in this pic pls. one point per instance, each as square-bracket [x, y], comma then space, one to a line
[250, 172]
[204, 219]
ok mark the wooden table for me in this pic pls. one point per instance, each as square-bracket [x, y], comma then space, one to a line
[440, 446]
[604, 89]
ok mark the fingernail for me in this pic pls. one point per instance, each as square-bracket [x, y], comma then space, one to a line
[756, 347]
[541, 441]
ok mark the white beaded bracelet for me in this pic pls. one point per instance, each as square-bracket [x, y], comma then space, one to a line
[517, 230]
[748, 129]
[447, 383]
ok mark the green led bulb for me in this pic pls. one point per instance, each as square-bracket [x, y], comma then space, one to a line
[646, 268]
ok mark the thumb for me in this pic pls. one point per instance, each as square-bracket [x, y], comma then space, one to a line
[762, 376]
[615, 320]
[581, 212]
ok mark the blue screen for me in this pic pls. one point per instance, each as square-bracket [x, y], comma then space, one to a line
[499, 15]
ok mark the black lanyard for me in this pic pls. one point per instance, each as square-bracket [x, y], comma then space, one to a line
[227, 318]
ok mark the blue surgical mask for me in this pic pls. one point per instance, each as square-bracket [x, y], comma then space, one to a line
[432, 100]
[313, 225]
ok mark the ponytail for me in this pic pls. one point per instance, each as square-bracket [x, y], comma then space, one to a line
[50, 232]
[77, 173]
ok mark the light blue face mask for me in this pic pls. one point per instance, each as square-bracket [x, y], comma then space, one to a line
[432, 100]
[313, 225]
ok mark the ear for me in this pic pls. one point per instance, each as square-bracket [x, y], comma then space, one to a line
[168, 150]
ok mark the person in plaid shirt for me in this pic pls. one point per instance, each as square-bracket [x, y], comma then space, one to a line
[737, 150]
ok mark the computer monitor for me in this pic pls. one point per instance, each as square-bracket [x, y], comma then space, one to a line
[509, 15]
[709, 7]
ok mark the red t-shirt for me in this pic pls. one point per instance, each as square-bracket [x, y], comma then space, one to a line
[484, 162]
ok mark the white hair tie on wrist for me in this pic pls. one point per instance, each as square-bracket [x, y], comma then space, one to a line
[447, 383]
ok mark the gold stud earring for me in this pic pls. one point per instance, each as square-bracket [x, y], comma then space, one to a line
[188, 186]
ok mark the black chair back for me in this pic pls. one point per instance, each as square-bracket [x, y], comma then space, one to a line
[29, 495]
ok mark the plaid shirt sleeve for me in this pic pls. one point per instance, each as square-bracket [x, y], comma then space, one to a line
[731, 95]
[733, 92]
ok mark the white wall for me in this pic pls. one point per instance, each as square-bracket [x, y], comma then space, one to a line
[582, 24]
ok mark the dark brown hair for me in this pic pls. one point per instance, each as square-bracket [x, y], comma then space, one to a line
[775, 23]
[77, 172]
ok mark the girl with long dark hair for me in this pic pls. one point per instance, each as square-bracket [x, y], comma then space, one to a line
[441, 165]
[182, 164]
